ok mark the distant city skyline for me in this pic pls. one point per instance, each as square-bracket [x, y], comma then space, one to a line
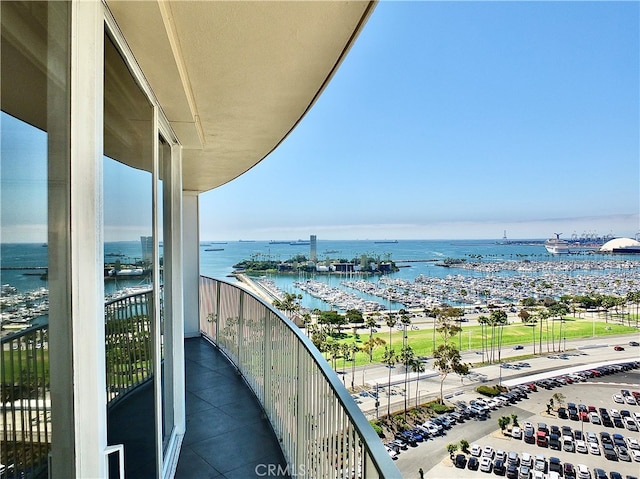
[459, 120]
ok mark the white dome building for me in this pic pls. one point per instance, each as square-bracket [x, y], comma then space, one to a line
[621, 245]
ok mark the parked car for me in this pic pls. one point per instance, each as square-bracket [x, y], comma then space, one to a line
[485, 464]
[623, 454]
[555, 464]
[583, 471]
[569, 470]
[516, 432]
[499, 468]
[473, 463]
[460, 461]
[593, 448]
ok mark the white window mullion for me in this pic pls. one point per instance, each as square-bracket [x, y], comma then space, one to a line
[87, 256]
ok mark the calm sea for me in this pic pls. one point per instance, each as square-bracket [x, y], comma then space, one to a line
[217, 259]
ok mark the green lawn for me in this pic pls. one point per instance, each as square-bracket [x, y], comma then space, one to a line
[421, 341]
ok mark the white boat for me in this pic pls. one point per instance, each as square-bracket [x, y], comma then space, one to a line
[557, 245]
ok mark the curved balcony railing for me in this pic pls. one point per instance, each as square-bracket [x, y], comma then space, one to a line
[25, 407]
[322, 432]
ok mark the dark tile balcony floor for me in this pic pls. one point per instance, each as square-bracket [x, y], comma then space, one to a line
[227, 434]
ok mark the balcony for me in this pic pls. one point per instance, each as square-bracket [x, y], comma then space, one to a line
[260, 399]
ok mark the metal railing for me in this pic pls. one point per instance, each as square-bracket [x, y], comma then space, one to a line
[128, 344]
[321, 430]
[25, 405]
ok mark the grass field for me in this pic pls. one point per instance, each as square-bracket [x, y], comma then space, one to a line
[422, 343]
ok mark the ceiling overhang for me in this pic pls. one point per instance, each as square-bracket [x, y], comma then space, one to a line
[233, 77]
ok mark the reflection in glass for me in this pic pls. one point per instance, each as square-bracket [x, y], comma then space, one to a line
[129, 259]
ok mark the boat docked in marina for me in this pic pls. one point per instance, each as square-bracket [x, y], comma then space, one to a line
[557, 245]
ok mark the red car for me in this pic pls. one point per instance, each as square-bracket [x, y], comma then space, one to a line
[618, 348]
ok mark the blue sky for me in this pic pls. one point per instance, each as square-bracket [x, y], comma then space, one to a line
[459, 120]
[447, 120]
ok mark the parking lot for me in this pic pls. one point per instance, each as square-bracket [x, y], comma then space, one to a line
[597, 392]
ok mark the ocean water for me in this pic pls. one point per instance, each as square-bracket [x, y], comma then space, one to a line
[219, 263]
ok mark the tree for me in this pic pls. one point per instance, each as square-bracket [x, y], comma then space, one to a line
[514, 420]
[558, 398]
[503, 422]
[288, 304]
[389, 358]
[371, 344]
[497, 318]
[446, 356]
[417, 366]
[333, 320]
[482, 321]
[447, 360]
[354, 316]
[451, 449]
[352, 351]
[391, 322]
[557, 310]
[406, 356]
[464, 445]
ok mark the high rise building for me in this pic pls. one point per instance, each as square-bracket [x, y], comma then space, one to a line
[313, 253]
[147, 249]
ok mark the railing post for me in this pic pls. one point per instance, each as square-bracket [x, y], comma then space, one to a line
[217, 317]
[240, 330]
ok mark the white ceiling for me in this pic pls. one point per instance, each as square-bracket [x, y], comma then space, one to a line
[235, 77]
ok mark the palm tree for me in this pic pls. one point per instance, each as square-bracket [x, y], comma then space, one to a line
[406, 356]
[391, 322]
[498, 318]
[405, 321]
[389, 358]
[417, 366]
[482, 321]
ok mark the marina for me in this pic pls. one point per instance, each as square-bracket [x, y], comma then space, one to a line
[469, 274]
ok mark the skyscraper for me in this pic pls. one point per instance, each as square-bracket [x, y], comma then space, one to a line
[314, 249]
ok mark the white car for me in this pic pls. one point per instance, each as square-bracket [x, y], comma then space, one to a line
[487, 452]
[632, 443]
[630, 424]
[583, 471]
[516, 432]
[526, 460]
[591, 437]
[485, 464]
[593, 449]
[540, 464]
[618, 398]
[475, 450]
[594, 418]
[614, 413]
[630, 400]
[581, 446]
[635, 455]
